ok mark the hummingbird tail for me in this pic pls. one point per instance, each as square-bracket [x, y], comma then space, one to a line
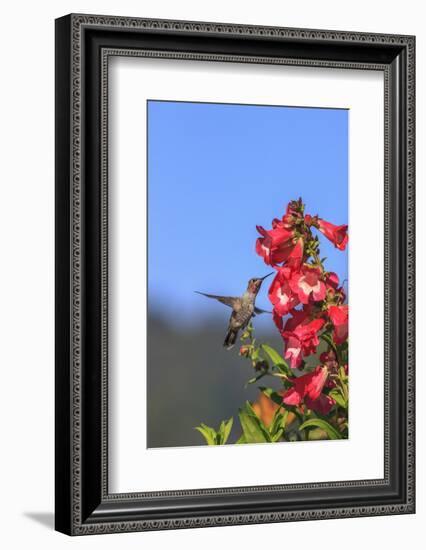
[230, 338]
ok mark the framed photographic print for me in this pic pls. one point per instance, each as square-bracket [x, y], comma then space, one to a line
[234, 274]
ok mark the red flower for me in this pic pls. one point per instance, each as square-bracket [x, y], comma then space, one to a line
[278, 235]
[308, 220]
[311, 220]
[303, 340]
[337, 234]
[322, 405]
[339, 318]
[331, 281]
[293, 350]
[276, 244]
[307, 283]
[280, 293]
[299, 316]
[295, 257]
[309, 385]
[278, 320]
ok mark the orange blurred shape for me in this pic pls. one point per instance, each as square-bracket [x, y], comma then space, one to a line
[265, 409]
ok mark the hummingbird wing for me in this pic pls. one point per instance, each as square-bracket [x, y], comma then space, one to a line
[230, 301]
[258, 311]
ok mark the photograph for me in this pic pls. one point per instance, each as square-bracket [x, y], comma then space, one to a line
[248, 274]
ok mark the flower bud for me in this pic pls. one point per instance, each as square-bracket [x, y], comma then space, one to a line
[244, 351]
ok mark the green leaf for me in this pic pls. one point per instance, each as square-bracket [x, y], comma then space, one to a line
[324, 425]
[213, 437]
[256, 355]
[339, 398]
[241, 440]
[208, 433]
[277, 360]
[227, 426]
[317, 434]
[253, 429]
[276, 425]
[344, 346]
[277, 428]
[261, 425]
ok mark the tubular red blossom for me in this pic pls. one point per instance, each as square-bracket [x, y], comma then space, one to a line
[332, 280]
[316, 384]
[303, 340]
[339, 318]
[322, 405]
[271, 256]
[276, 236]
[337, 234]
[308, 219]
[278, 320]
[276, 244]
[295, 258]
[311, 220]
[280, 293]
[293, 351]
[299, 316]
[307, 283]
[309, 385]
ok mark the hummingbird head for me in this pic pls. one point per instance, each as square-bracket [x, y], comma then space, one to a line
[256, 282]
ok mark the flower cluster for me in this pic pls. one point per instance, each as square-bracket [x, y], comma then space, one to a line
[310, 311]
[307, 299]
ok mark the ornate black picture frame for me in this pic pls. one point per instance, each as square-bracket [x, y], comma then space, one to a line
[83, 45]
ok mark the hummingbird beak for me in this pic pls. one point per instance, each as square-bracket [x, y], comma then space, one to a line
[268, 275]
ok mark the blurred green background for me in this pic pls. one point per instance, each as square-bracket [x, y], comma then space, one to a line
[193, 379]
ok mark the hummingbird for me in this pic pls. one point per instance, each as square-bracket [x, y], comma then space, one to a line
[243, 308]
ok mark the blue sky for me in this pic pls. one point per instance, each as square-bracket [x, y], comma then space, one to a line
[215, 171]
